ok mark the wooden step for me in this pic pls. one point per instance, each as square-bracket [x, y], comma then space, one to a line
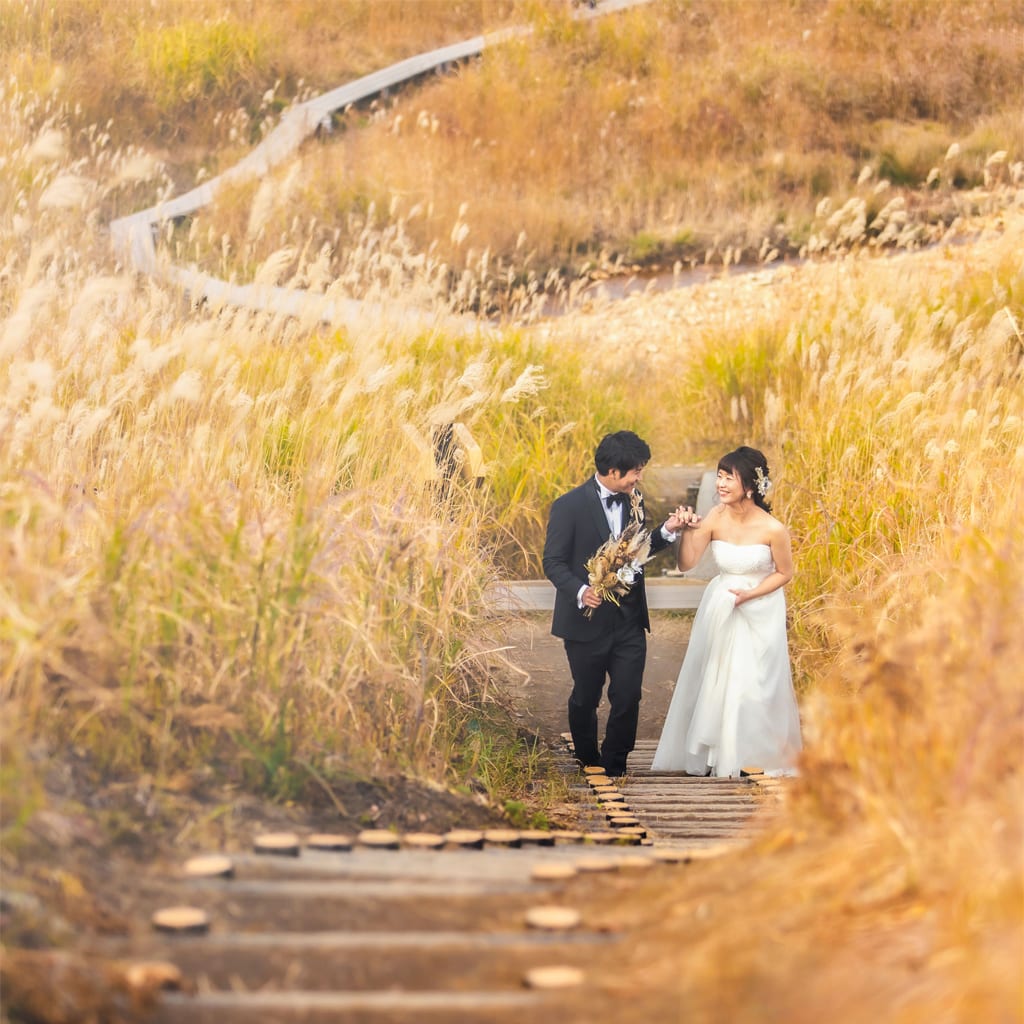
[367, 961]
[310, 1007]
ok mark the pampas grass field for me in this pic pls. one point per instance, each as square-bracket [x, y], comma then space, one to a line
[668, 136]
[890, 397]
[227, 562]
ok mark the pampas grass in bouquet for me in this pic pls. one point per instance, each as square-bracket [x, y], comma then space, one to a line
[614, 567]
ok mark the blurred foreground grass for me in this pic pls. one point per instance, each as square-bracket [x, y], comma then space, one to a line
[219, 564]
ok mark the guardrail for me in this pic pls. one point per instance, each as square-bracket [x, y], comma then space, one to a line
[134, 236]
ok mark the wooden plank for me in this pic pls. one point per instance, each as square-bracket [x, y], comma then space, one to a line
[286, 1005]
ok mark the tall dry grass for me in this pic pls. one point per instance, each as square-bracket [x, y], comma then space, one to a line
[890, 398]
[671, 133]
[218, 561]
[207, 76]
[223, 559]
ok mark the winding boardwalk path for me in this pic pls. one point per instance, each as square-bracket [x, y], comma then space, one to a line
[134, 236]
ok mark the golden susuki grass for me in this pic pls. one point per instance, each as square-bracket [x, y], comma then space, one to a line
[890, 396]
[893, 890]
[225, 556]
[220, 559]
[666, 135]
[211, 74]
[663, 136]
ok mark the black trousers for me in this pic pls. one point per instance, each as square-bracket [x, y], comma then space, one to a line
[619, 656]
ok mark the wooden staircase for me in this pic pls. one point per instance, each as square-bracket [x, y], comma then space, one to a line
[476, 927]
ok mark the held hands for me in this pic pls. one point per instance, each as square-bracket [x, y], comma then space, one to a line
[683, 517]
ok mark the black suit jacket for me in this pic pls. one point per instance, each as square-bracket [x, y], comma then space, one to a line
[577, 527]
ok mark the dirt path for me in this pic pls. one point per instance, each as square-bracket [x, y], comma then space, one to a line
[541, 693]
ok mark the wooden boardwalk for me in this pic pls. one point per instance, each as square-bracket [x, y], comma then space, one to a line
[134, 236]
[467, 927]
[390, 928]
[683, 811]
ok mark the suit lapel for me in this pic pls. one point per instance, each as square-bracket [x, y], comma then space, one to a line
[597, 510]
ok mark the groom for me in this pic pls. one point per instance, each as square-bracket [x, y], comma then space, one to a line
[611, 643]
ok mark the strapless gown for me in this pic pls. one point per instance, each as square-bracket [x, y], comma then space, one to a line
[733, 706]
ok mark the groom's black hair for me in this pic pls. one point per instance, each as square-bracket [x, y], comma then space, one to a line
[623, 451]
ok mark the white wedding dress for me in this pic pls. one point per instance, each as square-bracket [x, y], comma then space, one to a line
[733, 705]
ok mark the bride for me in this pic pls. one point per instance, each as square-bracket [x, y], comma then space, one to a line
[733, 706]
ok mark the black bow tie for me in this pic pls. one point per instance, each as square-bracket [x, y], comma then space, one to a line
[616, 499]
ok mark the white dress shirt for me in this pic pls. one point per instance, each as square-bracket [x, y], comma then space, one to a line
[616, 516]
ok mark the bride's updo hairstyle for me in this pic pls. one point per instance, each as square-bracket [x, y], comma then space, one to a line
[751, 467]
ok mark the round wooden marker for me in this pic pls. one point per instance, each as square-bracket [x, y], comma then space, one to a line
[630, 836]
[592, 770]
[507, 837]
[279, 844]
[617, 811]
[181, 920]
[329, 842]
[550, 978]
[537, 837]
[379, 839]
[553, 871]
[465, 838]
[553, 919]
[423, 840]
[567, 837]
[211, 866]
[600, 838]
